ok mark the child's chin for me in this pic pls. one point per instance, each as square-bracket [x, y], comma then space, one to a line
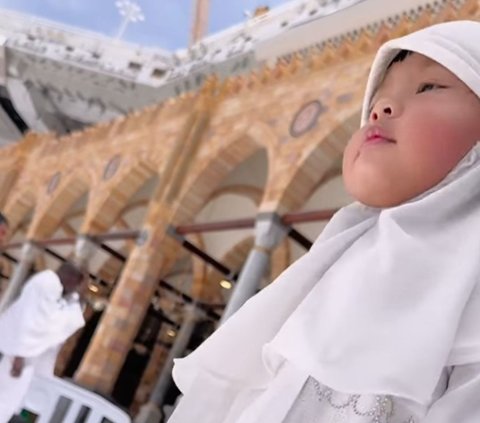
[379, 199]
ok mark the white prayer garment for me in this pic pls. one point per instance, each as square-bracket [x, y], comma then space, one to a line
[380, 321]
[34, 327]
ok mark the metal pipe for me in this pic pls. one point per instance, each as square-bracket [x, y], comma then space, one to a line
[226, 225]
[202, 254]
[113, 236]
[300, 238]
[309, 216]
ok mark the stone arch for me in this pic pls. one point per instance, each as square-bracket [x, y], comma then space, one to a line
[132, 215]
[330, 194]
[237, 195]
[281, 259]
[7, 182]
[18, 207]
[199, 267]
[253, 193]
[209, 289]
[208, 178]
[332, 173]
[320, 162]
[105, 212]
[110, 270]
[179, 275]
[51, 211]
[18, 210]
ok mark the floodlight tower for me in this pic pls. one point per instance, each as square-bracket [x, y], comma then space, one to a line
[131, 12]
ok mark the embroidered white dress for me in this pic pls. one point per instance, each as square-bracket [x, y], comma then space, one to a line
[292, 399]
[456, 399]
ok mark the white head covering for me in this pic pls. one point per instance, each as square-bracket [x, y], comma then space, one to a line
[455, 45]
[386, 298]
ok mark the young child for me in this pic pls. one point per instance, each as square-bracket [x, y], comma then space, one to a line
[380, 321]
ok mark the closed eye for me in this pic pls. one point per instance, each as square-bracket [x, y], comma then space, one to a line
[429, 86]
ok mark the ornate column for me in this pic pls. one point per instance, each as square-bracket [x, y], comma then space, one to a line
[20, 274]
[84, 250]
[155, 253]
[269, 232]
[151, 411]
[124, 314]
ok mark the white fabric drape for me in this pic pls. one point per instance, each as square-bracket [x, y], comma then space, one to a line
[383, 289]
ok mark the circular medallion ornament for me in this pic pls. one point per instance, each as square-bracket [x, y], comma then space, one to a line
[53, 182]
[344, 98]
[112, 166]
[306, 118]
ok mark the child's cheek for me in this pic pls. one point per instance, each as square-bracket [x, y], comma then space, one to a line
[349, 153]
[437, 149]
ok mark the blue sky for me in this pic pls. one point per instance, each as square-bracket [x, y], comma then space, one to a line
[167, 24]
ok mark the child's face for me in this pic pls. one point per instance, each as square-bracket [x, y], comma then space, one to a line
[422, 122]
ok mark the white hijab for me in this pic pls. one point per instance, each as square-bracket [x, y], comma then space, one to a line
[385, 298]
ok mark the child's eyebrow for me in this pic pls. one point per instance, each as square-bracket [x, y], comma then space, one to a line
[428, 67]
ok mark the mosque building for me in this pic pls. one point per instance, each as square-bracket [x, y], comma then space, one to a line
[186, 181]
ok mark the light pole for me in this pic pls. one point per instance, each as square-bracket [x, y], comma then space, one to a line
[131, 12]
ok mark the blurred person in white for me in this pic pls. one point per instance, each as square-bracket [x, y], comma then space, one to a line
[34, 327]
[4, 230]
[380, 321]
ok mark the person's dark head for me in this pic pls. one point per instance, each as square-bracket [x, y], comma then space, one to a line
[71, 277]
[3, 228]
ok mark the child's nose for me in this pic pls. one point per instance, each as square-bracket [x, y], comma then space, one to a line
[383, 109]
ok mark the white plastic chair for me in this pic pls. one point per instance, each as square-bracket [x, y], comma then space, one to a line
[56, 400]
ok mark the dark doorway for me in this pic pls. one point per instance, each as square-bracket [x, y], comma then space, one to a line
[137, 359]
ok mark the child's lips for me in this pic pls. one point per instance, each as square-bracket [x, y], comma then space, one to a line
[375, 135]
